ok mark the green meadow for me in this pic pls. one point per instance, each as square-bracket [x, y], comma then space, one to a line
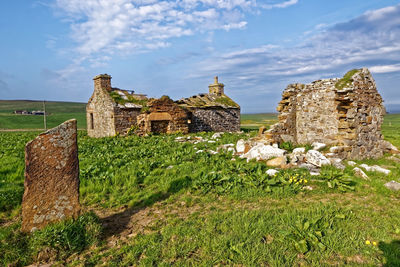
[152, 201]
[58, 113]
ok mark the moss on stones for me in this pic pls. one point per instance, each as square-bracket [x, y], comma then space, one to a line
[346, 80]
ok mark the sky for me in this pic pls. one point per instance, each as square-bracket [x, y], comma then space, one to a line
[51, 49]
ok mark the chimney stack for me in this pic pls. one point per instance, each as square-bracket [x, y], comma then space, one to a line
[102, 81]
[216, 88]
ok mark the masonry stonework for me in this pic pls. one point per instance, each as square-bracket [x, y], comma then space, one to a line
[112, 111]
[346, 112]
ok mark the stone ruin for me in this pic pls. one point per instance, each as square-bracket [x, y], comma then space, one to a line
[111, 111]
[346, 113]
[51, 177]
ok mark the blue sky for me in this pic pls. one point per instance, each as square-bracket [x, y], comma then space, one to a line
[52, 49]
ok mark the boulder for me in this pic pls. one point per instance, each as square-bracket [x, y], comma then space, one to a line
[358, 172]
[316, 158]
[277, 162]
[51, 177]
[240, 146]
[318, 146]
[263, 152]
[393, 185]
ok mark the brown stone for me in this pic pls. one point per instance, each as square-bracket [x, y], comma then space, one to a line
[51, 177]
[277, 162]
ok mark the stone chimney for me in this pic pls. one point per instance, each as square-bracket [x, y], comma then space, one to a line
[102, 81]
[216, 88]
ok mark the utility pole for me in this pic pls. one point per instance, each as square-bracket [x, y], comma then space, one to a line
[44, 115]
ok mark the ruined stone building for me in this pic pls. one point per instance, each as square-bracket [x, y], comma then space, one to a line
[346, 112]
[214, 111]
[112, 111]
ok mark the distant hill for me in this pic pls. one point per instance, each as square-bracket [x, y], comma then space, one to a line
[58, 113]
[8, 106]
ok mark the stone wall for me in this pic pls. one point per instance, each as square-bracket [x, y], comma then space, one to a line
[214, 119]
[125, 118]
[100, 114]
[344, 112]
[163, 112]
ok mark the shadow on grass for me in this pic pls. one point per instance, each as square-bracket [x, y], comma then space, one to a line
[118, 222]
[391, 252]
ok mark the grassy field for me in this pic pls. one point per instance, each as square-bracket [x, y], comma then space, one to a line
[255, 121]
[58, 113]
[152, 201]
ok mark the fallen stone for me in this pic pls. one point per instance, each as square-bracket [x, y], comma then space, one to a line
[393, 158]
[231, 149]
[307, 187]
[337, 163]
[51, 184]
[277, 162]
[375, 168]
[351, 163]
[216, 135]
[299, 151]
[271, 172]
[211, 141]
[263, 152]
[334, 149]
[261, 130]
[199, 151]
[360, 173]
[314, 173]
[389, 147]
[318, 146]
[240, 146]
[316, 158]
[393, 185]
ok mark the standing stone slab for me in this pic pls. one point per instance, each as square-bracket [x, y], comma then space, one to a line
[51, 177]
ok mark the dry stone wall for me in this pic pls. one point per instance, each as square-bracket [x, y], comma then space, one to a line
[346, 112]
[51, 177]
[125, 118]
[215, 119]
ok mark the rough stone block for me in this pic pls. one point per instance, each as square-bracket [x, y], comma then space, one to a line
[51, 177]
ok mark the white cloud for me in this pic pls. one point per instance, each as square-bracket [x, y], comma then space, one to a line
[360, 42]
[385, 68]
[136, 26]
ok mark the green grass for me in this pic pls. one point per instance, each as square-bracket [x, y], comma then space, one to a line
[58, 113]
[198, 209]
[255, 121]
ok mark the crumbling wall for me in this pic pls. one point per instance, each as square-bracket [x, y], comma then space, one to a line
[161, 112]
[216, 119]
[125, 118]
[345, 112]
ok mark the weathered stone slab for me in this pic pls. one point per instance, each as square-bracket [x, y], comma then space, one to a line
[51, 177]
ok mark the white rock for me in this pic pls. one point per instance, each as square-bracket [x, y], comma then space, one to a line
[366, 167]
[358, 172]
[330, 155]
[314, 173]
[318, 146]
[211, 141]
[170, 167]
[263, 152]
[216, 135]
[316, 158]
[199, 151]
[212, 152]
[231, 149]
[299, 151]
[393, 185]
[275, 145]
[240, 146]
[377, 168]
[307, 187]
[337, 163]
[351, 163]
[271, 172]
